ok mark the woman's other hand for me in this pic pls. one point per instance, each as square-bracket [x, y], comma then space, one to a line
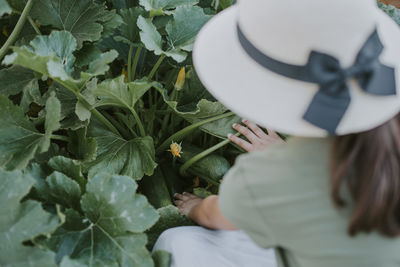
[204, 212]
[186, 202]
[258, 139]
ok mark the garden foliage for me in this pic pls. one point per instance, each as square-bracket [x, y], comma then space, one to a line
[92, 95]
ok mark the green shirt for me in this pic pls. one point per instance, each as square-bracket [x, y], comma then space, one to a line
[281, 198]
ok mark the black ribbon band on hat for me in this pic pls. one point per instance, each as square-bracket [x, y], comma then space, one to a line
[333, 97]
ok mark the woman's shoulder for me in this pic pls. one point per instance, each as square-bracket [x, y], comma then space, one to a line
[282, 169]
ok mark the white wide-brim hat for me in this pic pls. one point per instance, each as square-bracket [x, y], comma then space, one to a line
[288, 31]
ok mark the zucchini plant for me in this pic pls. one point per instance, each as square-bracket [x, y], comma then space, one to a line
[92, 96]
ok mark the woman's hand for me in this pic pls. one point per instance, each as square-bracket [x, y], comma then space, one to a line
[186, 202]
[204, 212]
[259, 140]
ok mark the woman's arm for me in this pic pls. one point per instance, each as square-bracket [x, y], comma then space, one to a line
[204, 212]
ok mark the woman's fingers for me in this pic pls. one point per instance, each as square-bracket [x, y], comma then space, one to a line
[273, 134]
[254, 127]
[246, 132]
[190, 196]
[178, 202]
[184, 196]
[259, 140]
[240, 142]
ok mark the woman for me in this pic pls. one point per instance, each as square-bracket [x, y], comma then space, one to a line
[327, 73]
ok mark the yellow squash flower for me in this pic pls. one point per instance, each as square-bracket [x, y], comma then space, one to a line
[180, 81]
[176, 149]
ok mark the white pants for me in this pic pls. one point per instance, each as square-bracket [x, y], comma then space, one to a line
[194, 246]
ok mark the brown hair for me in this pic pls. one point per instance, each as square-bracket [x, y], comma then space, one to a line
[367, 165]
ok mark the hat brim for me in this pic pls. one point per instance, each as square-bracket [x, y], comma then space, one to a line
[274, 101]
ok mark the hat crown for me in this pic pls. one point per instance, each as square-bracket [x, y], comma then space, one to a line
[288, 30]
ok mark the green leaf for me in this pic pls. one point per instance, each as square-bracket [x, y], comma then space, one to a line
[223, 4]
[155, 189]
[196, 104]
[169, 217]
[30, 94]
[120, 94]
[162, 258]
[82, 18]
[111, 203]
[109, 234]
[21, 222]
[53, 151]
[53, 57]
[69, 167]
[87, 54]
[194, 101]
[133, 158]
[40, 187]
[69, 119]
[63, 190]
[152, 40]
[100, 65]
[4, 8]
[53, 116]
[67, 262]
[119, 4]
[83, 113]
[220, 128]
[62, 43]
[19, 139]
[149, 35]
[44, 55]
[150, 5]
[111, 21]
[129, 30]
[83, 148]
[182, 30]
[15, 80]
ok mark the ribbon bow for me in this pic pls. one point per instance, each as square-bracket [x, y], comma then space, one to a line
[333, 97]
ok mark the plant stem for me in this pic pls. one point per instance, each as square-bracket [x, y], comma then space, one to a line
[178, 136]
[60, 138]
[130, 63]
[136, 60]
[203, 154]
[156, 66]
[87, 105]
[164, 123]
[139, 122]
[34, 26]
[150, 96]
[14, 35]
[125, 133]
[95, 112]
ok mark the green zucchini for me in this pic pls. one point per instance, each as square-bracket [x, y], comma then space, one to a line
[173, 181]
[155, 189]
[212, 167]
